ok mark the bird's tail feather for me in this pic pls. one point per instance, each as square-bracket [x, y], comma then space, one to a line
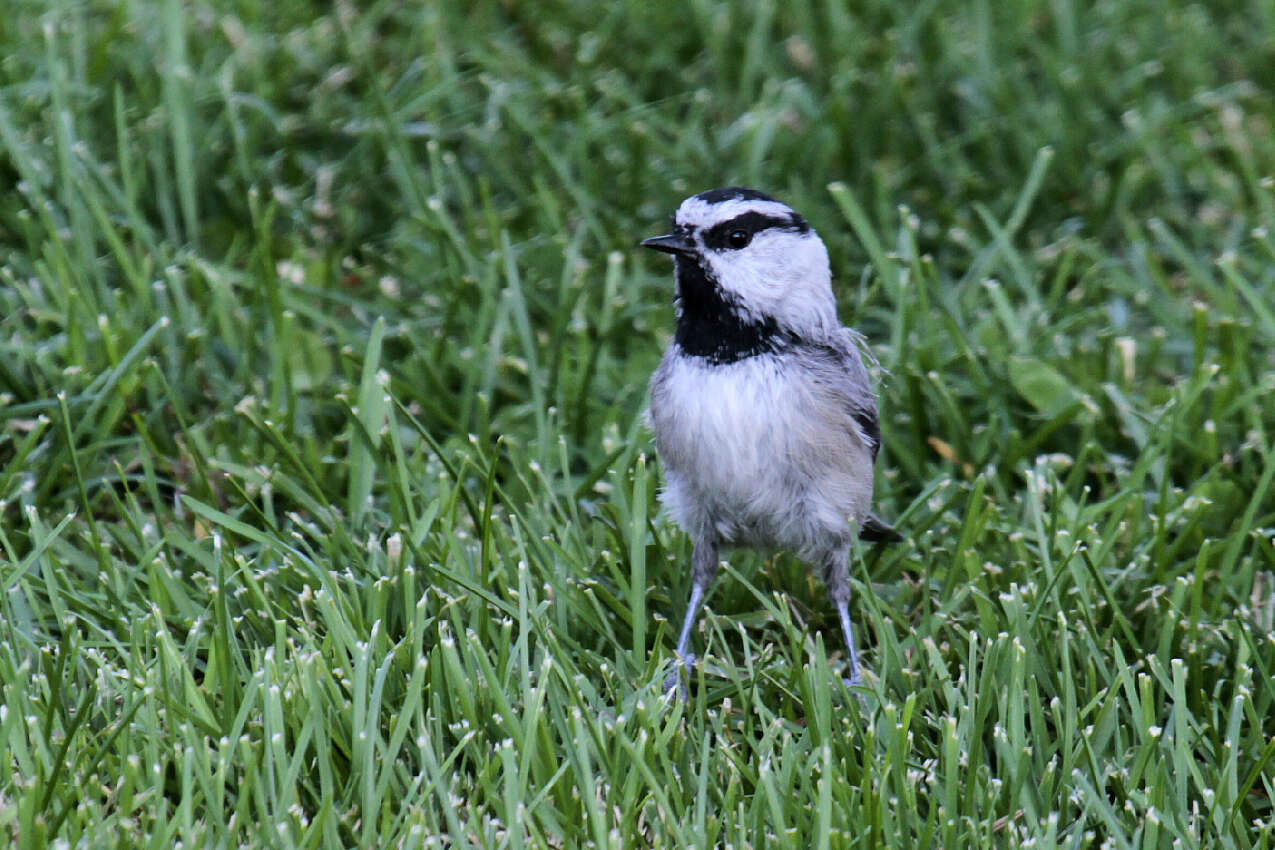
[877, 530]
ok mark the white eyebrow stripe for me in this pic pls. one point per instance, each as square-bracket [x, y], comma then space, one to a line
[702, 215]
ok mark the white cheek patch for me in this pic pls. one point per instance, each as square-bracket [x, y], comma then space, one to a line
[755, 265]
[782, 275]
[781, 255]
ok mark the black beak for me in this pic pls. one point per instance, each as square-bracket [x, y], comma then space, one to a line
[670, 244]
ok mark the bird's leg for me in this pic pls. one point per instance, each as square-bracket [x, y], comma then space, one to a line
[703, 568]
[843, 611]
[837, 577]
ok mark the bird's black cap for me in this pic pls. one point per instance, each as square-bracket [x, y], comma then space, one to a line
[733, 193]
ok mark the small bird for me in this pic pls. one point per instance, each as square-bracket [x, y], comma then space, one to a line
[762, 410]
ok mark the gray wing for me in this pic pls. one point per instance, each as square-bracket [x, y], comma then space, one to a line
[854, 384]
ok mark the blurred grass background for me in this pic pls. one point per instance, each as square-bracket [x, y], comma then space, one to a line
[327, 512]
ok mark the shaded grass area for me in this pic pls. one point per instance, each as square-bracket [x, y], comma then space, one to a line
[327, 512]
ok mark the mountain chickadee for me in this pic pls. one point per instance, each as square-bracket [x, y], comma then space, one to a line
[762, 409]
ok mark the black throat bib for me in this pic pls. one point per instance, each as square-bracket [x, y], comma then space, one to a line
[711, 327]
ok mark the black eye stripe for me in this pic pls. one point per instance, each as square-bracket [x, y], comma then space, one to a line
[717, 237]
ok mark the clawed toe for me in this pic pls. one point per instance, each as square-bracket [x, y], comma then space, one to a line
[855, 685]
[674, 680]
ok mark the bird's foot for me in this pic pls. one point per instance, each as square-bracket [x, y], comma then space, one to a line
[855, 685]
[674, 681]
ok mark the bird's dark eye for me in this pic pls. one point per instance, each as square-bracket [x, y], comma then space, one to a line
[739, 238]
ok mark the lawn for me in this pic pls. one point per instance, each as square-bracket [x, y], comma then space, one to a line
[328, 513]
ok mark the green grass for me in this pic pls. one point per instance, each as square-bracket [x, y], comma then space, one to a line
[327, 512]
